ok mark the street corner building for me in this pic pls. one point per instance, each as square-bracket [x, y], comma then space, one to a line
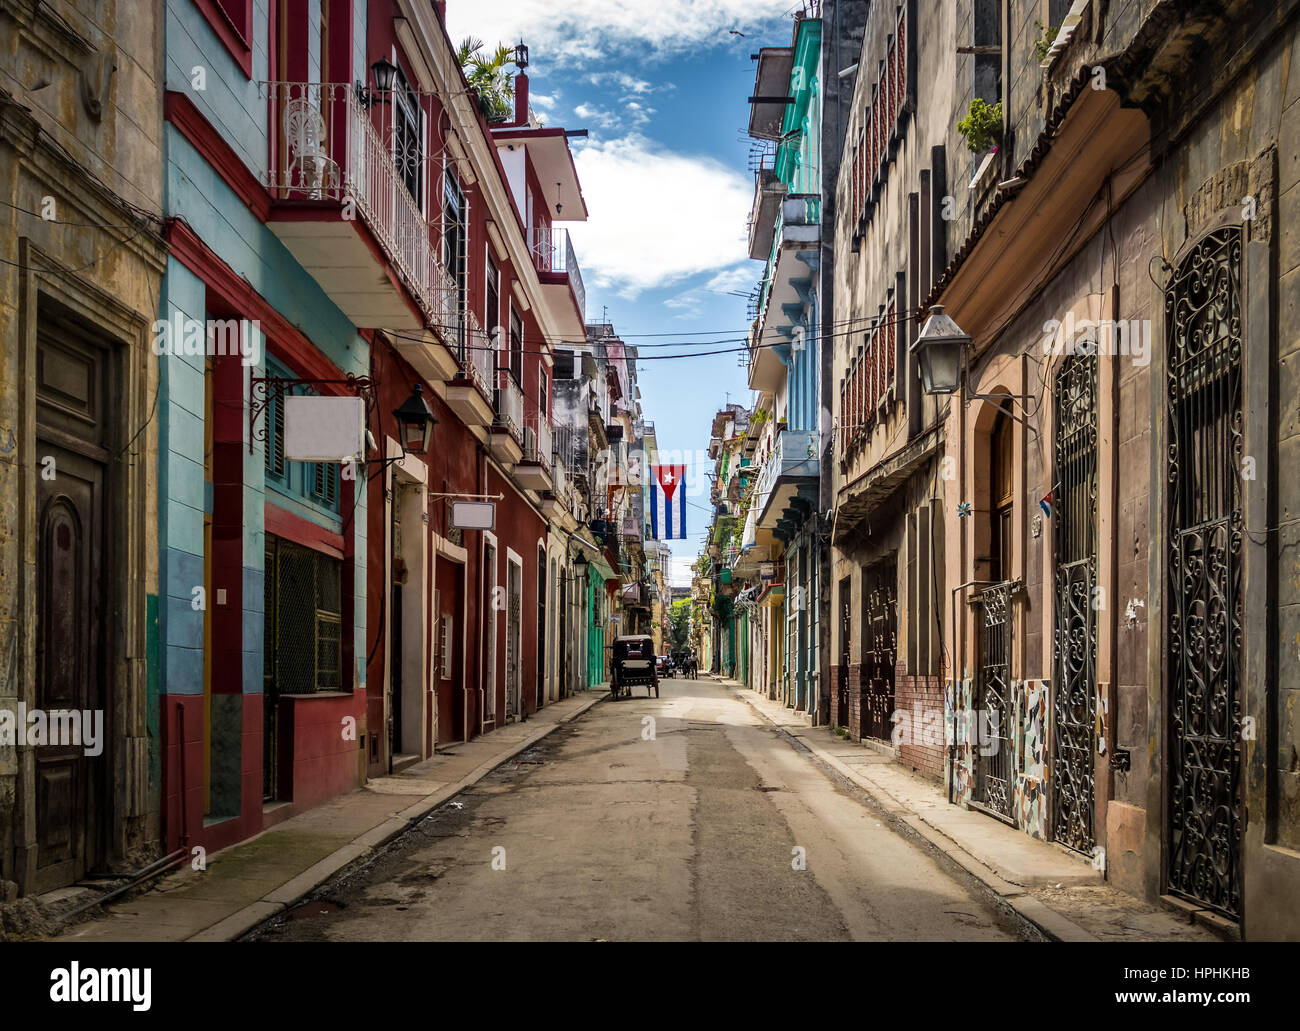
[1012, 504]
[227, 219]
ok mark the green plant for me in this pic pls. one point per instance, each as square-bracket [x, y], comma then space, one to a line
[487, 77]
[1046, 37]
[982, 126]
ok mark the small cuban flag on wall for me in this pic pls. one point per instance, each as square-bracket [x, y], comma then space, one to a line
[667, 502]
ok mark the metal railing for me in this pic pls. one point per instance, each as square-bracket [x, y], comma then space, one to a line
[509, 404]
[790, 449]
[552, 250]
[328, 149]
[539, 445]
[475, 351]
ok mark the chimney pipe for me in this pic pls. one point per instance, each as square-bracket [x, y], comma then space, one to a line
[521, 99]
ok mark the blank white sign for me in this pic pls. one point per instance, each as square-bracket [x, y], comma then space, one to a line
[324, 429]
[473, 515]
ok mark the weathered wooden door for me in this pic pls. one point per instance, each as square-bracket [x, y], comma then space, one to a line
[73, 432]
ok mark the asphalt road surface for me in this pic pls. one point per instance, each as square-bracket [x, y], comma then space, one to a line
[685, 817]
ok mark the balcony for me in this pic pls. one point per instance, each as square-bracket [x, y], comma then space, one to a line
[344, 211]
[471, 395]
[507, 437]
[768, 193]
[787, 285]
[534, 472]
[557, 267]
[790, 471]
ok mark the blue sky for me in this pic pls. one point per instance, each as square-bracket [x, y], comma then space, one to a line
[661, 85]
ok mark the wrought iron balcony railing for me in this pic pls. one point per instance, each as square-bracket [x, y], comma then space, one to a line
[474, 350]
[509, 404]
[328, 149]
[538, 444]
[552, 250]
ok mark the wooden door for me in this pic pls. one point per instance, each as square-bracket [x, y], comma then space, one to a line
[71, 604]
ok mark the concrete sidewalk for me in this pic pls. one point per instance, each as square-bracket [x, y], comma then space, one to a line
[1055, 890]
[255, 879]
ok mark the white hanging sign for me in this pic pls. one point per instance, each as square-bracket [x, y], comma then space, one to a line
[473, 515]
[324, 429]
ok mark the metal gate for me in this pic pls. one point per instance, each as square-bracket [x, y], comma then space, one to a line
[879, 649]
[1074, 706]
[846, 634]
[1203, 321]
[991, 724]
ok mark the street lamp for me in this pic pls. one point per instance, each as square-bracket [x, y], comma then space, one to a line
[415, 422]
[939, 350]
[521, 55]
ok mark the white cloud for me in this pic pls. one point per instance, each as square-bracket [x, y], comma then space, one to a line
[690, 303]
[687, 305]
[739, 278]
[657, 216]
[633, 116]
[581, 30]
[546, 103]
[629, 85]
[597, 116]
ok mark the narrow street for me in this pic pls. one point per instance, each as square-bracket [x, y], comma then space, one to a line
[609, 835]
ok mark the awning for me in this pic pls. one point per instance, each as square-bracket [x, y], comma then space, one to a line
[874, 487]
[602, 569]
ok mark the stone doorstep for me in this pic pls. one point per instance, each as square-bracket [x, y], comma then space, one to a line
[1194, 913]
[1004, 859]
[287, 894]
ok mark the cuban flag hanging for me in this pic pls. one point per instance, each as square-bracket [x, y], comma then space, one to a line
[667, 502]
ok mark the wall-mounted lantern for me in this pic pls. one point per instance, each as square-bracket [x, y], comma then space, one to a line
[384, 72]
[940, 349]
[415, 422]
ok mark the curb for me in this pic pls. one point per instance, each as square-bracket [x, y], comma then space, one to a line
[1012, 897]
[294, 890]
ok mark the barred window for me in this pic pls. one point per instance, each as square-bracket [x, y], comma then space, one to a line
[304, 626]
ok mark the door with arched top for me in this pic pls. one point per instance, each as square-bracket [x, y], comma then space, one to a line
[72, 456]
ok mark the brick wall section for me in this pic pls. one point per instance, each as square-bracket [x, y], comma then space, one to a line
[926, 695]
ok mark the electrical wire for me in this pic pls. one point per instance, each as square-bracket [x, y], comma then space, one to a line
[144, 217]
[744, 348]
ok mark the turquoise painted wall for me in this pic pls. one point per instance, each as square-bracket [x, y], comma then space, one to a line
[237, 108]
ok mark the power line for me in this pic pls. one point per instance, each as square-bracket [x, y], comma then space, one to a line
[878, 323]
